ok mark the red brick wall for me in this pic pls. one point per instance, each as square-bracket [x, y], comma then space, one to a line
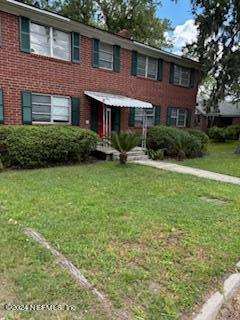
[21, 71]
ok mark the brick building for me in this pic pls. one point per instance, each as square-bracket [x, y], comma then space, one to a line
[56, 70]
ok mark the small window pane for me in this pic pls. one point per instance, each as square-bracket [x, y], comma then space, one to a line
[105, 64]
[61, 45]
[174, 113]
[141, 65]
[40, 39]
[177, 74]
[41, 117]
[185, 77]
[41, 99]
[60, 109]
[152, 68]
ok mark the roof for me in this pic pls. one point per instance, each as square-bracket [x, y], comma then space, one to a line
[110, 99]
[226, 109]
[58, 21]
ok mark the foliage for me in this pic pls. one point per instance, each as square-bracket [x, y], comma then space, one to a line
[203, 137]
[217, 134]
[156, 154]
[1, 165]
[124, 142]
[220, 158]
[137, 16]
[37, 146]
[217, 46]
[237, 150]
[233, 132]
[177, 142]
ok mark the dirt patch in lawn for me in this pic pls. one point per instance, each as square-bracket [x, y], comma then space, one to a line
[231, 310]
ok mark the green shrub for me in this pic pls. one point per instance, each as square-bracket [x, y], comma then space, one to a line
[203, 137]
[176, 142]
[156, 154]
[233, 132]
[38, 146]
[217, 134]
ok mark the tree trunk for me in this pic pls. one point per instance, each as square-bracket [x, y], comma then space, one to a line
[123, 157]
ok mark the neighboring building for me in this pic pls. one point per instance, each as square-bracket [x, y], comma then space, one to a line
[228, 114]
[55, 70]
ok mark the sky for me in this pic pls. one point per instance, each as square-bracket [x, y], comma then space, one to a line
[182, 21]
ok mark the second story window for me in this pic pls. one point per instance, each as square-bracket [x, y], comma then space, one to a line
[181, 76]
[50, 42]
[147, 67]
[105, 56]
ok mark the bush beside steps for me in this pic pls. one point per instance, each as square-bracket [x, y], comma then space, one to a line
[40, 146]
[175, 142]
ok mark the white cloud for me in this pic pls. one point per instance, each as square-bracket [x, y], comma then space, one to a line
[183, 34]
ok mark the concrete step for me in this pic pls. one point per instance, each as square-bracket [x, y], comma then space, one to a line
[133, 157]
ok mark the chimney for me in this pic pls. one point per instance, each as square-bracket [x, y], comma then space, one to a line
[124, 33]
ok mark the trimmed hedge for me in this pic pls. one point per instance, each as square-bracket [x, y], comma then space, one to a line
[203, 137]
[233, 132]
[217, 134]
[175, 142]
[39, 146]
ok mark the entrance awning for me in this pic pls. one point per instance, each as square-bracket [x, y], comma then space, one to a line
[117, 100]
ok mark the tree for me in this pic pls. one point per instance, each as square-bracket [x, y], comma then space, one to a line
[218, 46]
[137, 16]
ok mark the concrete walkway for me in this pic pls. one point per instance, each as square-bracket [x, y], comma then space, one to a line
[188, 170]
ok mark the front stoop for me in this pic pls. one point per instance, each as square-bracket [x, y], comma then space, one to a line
[137, 154]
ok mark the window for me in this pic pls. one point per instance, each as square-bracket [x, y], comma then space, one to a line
[50, 42]
[150, 117]
[181, 76]
[147, 67]
[105, 56]
[50, 109]
[178, 117]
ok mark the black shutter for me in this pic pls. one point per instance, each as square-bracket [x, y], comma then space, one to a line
[75, 111]
[116, 58]
[94, 118]
[160, 69]
[171, 73]
[26, 107]
[131, 117]
[134, 62]
[24, 24]
[95, 53]
[75, 47]
[189, 118]
[192, 78]
[157, 121]
[169, 112]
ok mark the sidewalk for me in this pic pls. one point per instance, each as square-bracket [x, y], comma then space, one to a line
[189, 170]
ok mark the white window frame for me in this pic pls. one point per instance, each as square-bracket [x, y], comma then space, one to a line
[51, 114]
[51, 42]
[105, 68]
[146, 68]
[148, 115]
[177, 117]
[180, 83]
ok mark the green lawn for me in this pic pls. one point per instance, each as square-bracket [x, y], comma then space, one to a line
[144, 237]
[221, 158]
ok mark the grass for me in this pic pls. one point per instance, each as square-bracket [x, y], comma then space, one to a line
[220, 158]
[144, 237]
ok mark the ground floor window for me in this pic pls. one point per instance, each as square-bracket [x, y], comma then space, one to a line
[150, 117]
[178, 117]
[51, 109]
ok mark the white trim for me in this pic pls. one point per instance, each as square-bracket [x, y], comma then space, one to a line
[105, 68]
